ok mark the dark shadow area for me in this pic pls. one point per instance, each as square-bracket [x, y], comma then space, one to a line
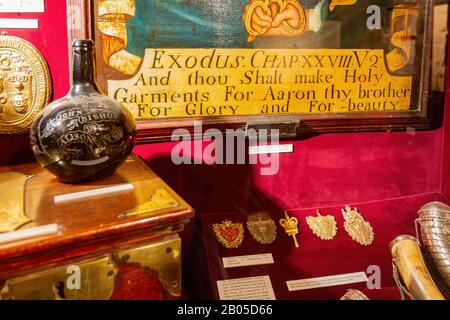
[436, 104]
[15, 149]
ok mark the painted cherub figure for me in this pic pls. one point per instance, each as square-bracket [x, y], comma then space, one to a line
[284, 17]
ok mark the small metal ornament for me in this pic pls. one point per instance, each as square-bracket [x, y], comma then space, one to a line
[229, 234]
[360, 230]
[323, 226]
[25, 85]
[262, 228]
[353, 294]
[12, 201]
[290, 225]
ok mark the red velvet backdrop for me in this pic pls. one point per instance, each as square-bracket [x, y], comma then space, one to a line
[324, 171]
[51, 40]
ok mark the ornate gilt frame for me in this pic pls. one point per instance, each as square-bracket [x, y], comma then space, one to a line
[80, 25]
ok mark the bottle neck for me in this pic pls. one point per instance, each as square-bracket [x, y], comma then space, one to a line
[83, 69]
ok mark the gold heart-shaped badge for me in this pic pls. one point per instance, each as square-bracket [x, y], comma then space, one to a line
[229, 234]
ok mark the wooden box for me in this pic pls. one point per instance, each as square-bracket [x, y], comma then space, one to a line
[116, 238]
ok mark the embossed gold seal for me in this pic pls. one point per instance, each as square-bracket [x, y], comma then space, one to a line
[323, 226]
[25, 84]
[360, 230]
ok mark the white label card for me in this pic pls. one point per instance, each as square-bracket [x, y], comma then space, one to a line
[250, 260]
[6, 23]
[28, 233]
[275, 148]
[252, 288]
[330, 281]
[92, 193]
[13, 6]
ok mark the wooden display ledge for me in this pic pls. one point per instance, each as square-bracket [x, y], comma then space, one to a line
[93, 224]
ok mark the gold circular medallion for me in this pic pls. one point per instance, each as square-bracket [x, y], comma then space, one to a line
[25, 84]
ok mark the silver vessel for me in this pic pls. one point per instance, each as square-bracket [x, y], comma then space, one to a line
[353, 294]
[434, 225]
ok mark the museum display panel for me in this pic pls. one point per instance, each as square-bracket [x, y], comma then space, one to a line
[310, 138]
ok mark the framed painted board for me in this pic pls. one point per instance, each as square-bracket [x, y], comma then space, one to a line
[300, 65]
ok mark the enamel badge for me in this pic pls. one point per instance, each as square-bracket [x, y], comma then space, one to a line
[323, 226]
[360, 230]
[229, 234]
[262, 228]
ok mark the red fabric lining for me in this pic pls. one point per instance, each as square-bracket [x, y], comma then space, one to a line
[315, 257]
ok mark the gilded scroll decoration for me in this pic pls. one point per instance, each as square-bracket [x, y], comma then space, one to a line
[161, 199]
[403, 34]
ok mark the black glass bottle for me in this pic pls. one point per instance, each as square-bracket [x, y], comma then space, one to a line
[85, 135]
